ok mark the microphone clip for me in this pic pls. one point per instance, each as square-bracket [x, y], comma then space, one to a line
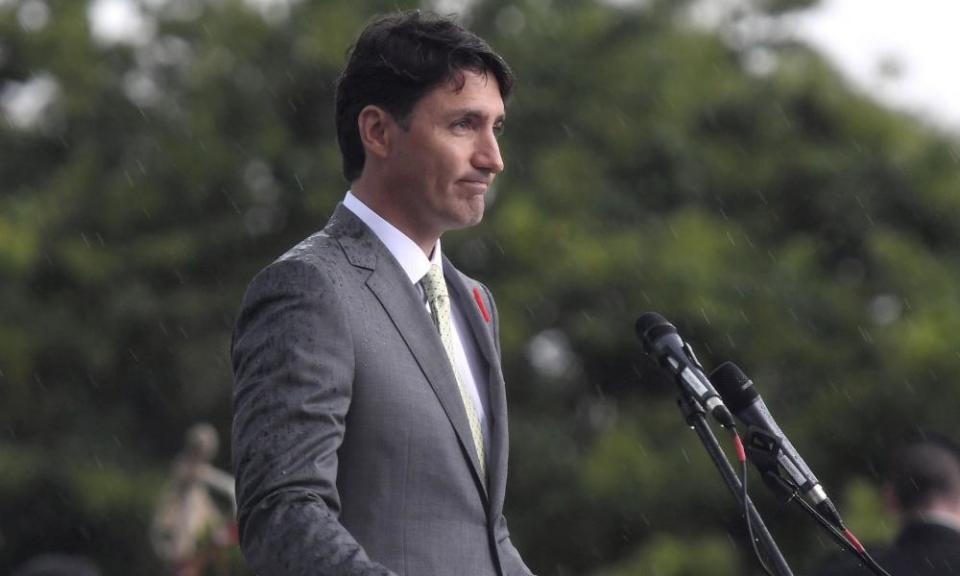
[765, 451]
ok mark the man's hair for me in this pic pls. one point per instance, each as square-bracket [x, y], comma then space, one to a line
[395, 61]
[924, 470]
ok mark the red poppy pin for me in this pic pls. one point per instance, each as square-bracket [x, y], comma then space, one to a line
[483, 308]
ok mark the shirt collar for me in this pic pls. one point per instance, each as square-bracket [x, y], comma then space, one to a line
[937, 517]
[410, 257]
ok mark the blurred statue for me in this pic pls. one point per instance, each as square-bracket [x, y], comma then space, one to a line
[923, 492]
[195, 514]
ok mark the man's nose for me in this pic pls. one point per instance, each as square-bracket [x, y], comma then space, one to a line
[487, 155]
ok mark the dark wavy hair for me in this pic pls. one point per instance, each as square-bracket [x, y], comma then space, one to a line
[925, 467]
[395, 61]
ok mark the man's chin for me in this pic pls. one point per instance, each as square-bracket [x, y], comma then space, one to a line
[476, 215]
[465, 220]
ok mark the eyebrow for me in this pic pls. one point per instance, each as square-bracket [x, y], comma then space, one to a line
[474, 113]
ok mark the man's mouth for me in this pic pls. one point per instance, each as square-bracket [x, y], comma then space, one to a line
[477, 182]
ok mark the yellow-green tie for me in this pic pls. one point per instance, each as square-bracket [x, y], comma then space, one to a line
[439, 302]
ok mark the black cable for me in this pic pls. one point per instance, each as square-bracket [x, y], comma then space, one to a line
[845, 543]
[746, 499]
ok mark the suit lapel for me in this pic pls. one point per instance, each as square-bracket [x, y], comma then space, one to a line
[462, 289]
[463, 292]
[403, 304]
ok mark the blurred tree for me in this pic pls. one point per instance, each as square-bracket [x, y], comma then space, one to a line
[733, 183]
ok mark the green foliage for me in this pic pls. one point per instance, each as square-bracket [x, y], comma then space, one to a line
[864, 512]
[670, 556]
[779, 219]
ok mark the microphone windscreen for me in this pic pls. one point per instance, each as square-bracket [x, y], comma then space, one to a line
[734, 386]
[651, 326]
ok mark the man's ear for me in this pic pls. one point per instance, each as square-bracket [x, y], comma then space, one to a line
[376, 130]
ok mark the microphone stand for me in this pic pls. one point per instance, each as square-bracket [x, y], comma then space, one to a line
[693, 413]
[781, 485]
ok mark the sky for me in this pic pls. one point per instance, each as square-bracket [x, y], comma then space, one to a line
[916, 39]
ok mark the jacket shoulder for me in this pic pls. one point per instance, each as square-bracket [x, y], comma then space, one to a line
[320, 250]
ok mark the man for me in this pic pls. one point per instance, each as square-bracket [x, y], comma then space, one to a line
[370, 425]
[924, 493]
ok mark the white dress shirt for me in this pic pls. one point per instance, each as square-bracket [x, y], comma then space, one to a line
[416, 265]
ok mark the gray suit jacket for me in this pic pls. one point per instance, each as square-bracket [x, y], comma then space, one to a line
[351, 445]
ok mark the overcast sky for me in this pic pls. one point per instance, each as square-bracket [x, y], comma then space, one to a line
[919, 39]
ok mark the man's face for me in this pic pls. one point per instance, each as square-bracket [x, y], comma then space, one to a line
[444, 162]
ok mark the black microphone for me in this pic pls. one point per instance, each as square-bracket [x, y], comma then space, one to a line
[661, 340]
[769, 449]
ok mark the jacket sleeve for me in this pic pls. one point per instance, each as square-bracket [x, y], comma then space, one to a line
[293, 357]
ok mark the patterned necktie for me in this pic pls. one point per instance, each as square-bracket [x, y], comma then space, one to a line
[439, 302]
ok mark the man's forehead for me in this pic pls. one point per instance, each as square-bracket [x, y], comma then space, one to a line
[470, 91]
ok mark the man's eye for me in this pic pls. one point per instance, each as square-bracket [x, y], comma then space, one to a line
[462, 124]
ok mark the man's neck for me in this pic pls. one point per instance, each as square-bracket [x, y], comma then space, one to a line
[939, 516]
[377, 199]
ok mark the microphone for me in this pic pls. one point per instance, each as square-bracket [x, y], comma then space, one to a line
[661, 341]
[769, 448]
